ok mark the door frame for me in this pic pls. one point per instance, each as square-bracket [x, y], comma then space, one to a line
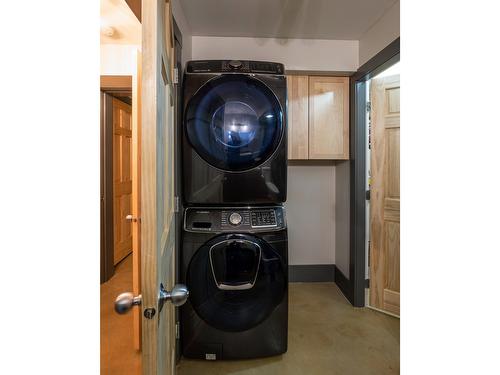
[354, 287]
[177, 170]
[110, 85]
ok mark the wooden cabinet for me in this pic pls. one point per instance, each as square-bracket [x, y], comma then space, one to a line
[298, 117]
[318, 117]
[328, 118]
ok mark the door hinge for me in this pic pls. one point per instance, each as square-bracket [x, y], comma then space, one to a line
[368, 106]
[177, 331]
[176, 204]
[176, 76]
[367, 195]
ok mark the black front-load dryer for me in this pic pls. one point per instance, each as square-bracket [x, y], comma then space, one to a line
[234, 148]
[234, 263]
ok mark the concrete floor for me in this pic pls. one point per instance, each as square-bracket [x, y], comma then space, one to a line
[326, 336]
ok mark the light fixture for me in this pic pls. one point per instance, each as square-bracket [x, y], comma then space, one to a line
[108, 31]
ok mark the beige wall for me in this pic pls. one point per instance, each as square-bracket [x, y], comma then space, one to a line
[310, 213]
[383, 32]
[296, 54]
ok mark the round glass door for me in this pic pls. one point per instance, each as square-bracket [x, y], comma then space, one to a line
[234, 122]
[235, 281]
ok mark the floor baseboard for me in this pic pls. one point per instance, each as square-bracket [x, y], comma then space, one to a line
[343, 283]
[311, 273]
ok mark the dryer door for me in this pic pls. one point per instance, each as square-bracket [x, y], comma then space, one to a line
[236, 281]
[234, 122]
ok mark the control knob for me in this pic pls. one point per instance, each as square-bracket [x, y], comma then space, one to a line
[235, 64]
[235, 218]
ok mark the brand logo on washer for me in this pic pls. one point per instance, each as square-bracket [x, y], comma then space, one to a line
[210, 356]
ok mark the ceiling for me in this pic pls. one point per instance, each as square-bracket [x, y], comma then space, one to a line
[307, 19]
[117, 19]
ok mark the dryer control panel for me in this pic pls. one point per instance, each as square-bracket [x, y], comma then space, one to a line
[237, 219]
[235, 66]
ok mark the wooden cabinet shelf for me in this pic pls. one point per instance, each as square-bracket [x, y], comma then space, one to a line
[318, 117]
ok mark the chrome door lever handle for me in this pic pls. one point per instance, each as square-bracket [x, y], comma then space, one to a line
[125, 301]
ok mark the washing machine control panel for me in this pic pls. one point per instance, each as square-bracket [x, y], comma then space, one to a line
[250, 219]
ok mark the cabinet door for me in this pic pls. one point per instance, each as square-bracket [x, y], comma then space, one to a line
[328, 118]
[298, 117]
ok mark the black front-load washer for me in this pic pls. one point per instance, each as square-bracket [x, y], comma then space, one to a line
[235, 264]
[234, 148]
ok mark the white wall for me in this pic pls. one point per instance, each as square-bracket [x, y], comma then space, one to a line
[118, 59]
[310, 212]
[185, 29]
[377, 37]
[296, 54]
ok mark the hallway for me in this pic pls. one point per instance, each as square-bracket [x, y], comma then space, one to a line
[118, 356]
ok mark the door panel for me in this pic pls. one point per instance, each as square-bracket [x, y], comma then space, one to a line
[298, 117]
[328, 117]
[385, 194]
[122, 179]
[136, 195]
[157, 189]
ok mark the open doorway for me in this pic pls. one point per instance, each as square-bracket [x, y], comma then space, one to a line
[382, 250]
[120, 80]
[120, 232]
[116, 174]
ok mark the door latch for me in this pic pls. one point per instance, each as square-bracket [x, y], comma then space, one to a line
[178, 296]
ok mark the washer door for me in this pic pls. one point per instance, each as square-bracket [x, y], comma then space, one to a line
[234, 122]
[235, 282]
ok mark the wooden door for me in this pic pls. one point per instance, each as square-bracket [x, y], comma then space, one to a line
[298, 117]
[136, 195]
[122, 179]
[384, 196]
[328, 117]
[157, 188]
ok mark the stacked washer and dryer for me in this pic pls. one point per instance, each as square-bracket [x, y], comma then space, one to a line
[234, 253]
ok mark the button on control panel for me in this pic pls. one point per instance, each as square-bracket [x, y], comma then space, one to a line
[264, 218]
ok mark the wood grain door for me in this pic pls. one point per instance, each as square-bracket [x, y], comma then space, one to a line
[298, 117]
[122, 179]
[385, 195]
[136, 195]
[328, 117]
[157, 188]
